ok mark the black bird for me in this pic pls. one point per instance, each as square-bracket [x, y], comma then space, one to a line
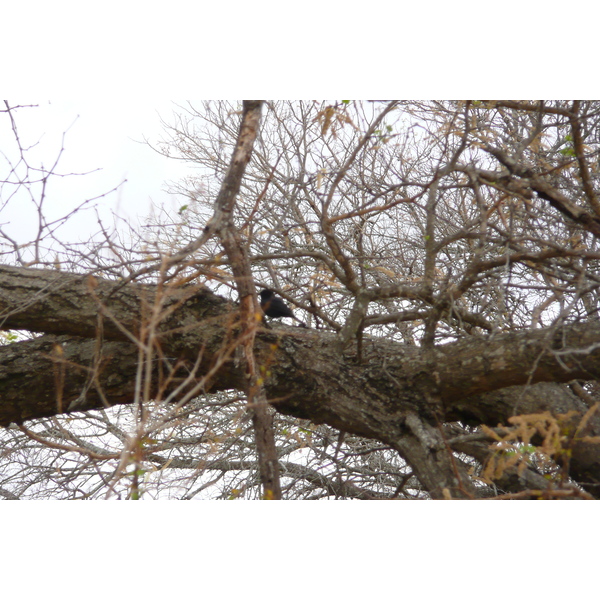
[275, 307]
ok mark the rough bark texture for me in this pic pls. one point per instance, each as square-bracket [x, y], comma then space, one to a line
[397, 394]
[236, 249]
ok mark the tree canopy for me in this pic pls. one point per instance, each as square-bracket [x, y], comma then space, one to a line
[444, 256]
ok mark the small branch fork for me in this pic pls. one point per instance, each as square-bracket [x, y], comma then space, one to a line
[222, 224]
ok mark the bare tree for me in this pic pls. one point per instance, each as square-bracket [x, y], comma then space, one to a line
[444, 255]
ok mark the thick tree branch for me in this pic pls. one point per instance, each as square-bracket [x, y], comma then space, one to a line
[236, 249]
[307, 377]
[548, 192]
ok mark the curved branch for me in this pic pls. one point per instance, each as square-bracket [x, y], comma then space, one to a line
[382, 398]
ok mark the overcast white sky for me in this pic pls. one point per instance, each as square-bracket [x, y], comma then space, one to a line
[105, 140]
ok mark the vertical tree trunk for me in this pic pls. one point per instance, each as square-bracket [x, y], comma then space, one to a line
[249, 308]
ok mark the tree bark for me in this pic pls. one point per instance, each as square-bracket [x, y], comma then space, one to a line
[394, 388]
[235, 248]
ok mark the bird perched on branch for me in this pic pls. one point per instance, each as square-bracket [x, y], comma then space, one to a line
[275, 307]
